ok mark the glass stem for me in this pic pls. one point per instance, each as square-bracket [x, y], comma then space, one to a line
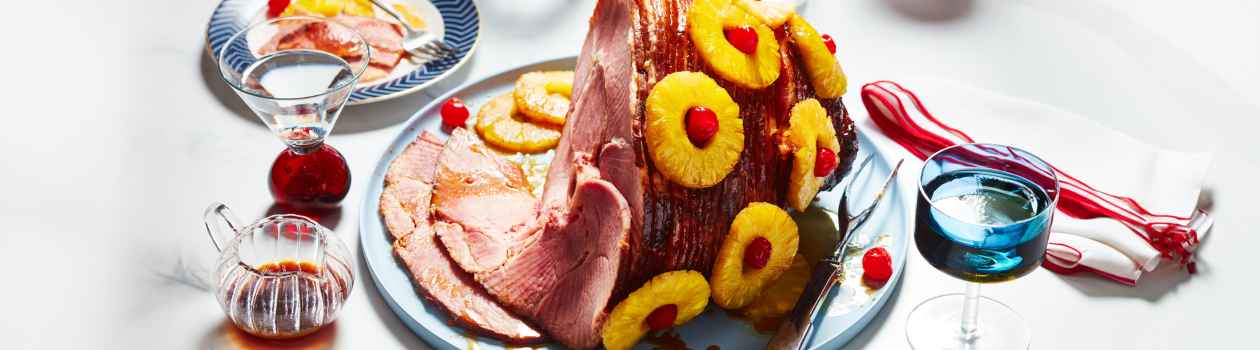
[304, 149]
[971, 311]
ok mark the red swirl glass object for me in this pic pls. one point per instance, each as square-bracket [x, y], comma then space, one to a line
[316, 178]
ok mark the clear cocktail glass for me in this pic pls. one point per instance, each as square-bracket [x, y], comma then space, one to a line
[296, 74]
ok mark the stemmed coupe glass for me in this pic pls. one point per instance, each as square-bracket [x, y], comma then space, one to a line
[983, 216]
[296, 73]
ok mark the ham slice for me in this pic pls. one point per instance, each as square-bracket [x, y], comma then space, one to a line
[385, 38]
[564, 278]
[312, 36]
[405, 210]
[557, 268]
[481, 203]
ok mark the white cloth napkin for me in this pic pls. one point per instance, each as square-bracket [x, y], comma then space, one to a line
[1163, 181]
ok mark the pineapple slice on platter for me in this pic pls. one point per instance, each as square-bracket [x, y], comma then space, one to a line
[544, 97]
[759, 248]
[824, 71]
[502, 126]
[781, 295]
[714, 23]
[671, 103]
[669, 299]
[773, 13]
[813, 140]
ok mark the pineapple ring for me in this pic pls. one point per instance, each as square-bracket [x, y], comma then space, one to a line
[502, 126]
[544, 96]
[627, 323]
[735, 287]
[708, 21]
[809, 129]
[671, 150]
[821, 65]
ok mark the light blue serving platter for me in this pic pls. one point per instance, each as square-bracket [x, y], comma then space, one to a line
[836, 326]
[455, 21]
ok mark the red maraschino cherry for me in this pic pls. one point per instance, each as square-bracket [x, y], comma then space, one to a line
[876, 265]
[702, 124]
[663, 317]
[454, 112]
[825, 162]
[757, 254]
[831, 43]
[743, 38]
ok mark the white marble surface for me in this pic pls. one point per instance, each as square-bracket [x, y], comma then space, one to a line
[118, 133]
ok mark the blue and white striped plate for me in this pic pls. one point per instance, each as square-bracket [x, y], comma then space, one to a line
[456, 21]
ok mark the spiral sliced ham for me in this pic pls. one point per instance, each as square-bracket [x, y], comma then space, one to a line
[607, 220]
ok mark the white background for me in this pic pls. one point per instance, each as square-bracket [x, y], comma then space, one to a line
[118, 132]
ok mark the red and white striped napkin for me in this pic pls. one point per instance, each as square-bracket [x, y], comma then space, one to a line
[1124, 207]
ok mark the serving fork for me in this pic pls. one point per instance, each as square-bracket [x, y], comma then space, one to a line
[796, 327]
[419, 43]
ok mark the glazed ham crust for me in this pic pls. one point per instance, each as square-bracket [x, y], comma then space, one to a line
[675, 228]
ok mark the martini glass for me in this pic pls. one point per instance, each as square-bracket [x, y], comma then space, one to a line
[296, 74]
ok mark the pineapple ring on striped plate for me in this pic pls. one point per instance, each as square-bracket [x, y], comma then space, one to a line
[708, 21]
[671, 150]
[687, 290]
[734, 285]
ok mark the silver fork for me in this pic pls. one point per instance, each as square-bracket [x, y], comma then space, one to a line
[851, 223]
[419, 43]
[796, 327]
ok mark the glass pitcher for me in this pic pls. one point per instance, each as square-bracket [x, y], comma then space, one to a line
[284, 276]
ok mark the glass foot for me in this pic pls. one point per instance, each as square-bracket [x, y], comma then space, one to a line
[936, 324]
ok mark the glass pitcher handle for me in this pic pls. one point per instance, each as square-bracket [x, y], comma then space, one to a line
[220, 224]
